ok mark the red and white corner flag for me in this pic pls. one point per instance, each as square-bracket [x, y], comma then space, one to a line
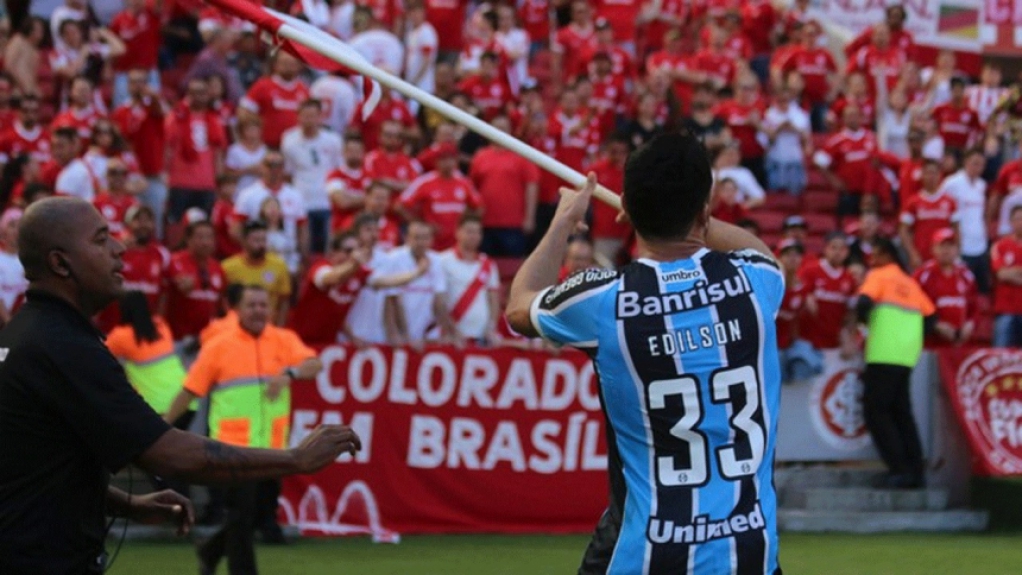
[273, 22]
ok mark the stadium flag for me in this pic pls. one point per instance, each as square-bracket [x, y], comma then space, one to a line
[292, 32]
[985, 388]
[282, 27]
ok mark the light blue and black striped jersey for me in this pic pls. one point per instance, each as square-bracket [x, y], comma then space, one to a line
[686, 354]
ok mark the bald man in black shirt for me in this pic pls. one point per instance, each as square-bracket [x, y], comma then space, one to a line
[69, 418]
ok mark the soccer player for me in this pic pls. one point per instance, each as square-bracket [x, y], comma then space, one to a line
[685, 344]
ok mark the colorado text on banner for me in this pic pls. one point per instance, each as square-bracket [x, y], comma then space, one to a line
[985, 387]
[494, 440]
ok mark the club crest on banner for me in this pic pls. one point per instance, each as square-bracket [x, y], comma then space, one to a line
[835, 407]
[989, 391]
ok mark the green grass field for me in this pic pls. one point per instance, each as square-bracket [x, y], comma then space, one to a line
[907, 554]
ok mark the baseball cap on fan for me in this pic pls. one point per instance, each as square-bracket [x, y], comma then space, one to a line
[944, 235]
[602, 23]
[790, 244]
[794, 222]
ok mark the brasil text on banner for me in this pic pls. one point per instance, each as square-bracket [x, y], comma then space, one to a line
[496, 440]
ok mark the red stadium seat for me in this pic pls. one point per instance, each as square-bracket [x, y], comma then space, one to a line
[821, 201]
[783, 202]
[769, 221]
[814, 244]
[771, 239]
[820, 224]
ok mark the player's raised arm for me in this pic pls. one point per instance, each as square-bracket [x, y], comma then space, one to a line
[540, 269]
[725, 237]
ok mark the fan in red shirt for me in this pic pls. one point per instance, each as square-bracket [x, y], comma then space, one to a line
[743, 115]
[347, 184]
[1006, 264]
[576, 131]
[196, 139]
[622, 15]
[856, 93]
[222, 216]
[328, 292]
[759, 20]
[26, 135]
[377, 207]
[952, 288]
[145, 265]
[487, 89]
[910, 169]
[879, 58]
[608, 235]
[276, 98]
[389, 164]
[726, 206]
[80, 113]
[719, 67]
[390, 13]
[141, 122]
[928, 212]
[448, 18]
[676, 64]
[622, 65]
[609, 98]
[535, 18]
[440, 198]
[957, 123]
[815, 64]
[672, 14]
[737, 46]
[895, 25]
[140, 28]
[571, 42]
[830, 288]
[509, 187]
[789, 253]
[195, 282]
[846, 160]
[389, 109]
[116, 200]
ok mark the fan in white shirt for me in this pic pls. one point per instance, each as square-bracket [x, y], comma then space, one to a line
[311, 152]
[292, 206]
[968, 188]
[727, 164]
[12, 274]
[381, 48]
[339, 100]
[422, 44]
[244, 158]
[413, 311]
[74, 178]
[473, 284]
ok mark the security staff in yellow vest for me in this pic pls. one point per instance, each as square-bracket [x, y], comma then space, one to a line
[246, 371]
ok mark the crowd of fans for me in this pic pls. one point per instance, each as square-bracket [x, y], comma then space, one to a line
[221, 161]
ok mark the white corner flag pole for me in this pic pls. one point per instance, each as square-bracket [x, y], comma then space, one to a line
[333, 48]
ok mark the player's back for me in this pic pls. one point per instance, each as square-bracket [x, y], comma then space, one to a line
[687, 360]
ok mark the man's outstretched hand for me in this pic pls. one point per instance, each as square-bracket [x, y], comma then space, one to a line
[167, 506]
[323, 445]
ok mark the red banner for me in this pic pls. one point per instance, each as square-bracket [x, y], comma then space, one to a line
[985, 387]
[497, 440]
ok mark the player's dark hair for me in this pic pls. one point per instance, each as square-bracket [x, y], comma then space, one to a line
[491, 17]
[311, 103]
[248, 288]
[882, 245]
[252, 226]
[337, 243]
[135, 312]
[362, 220]
[835, 235]
[469, 217]
[489, 55]
[226, 178]
[190, 229]
[667, 185]
[957, 82]
[67, 134]
[232, 294]
[973, 152]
